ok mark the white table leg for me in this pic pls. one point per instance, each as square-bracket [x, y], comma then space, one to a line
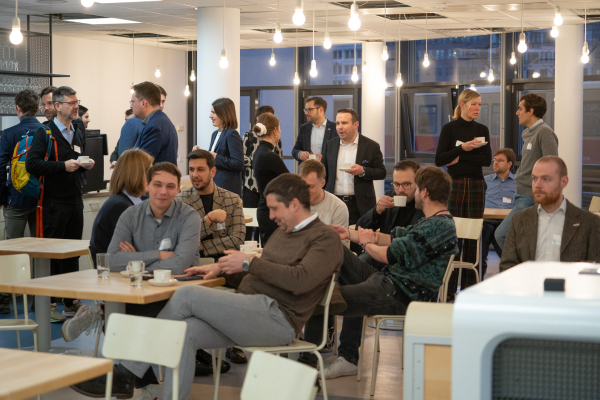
[41, 268]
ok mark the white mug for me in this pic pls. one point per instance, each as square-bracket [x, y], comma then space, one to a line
[312, 156]
[247, 249]
[162, 275]
[83, 159]
[400, 201]
[347, 165]
[480, 139]
[252, 243]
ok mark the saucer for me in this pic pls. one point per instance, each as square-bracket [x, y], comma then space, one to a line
[481, 144]
[87, 164]
[345, 169]
[153, 282]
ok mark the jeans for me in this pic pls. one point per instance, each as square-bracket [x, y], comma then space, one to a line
[487, 239]
[367, 291]
[16, 218]
[520, 202]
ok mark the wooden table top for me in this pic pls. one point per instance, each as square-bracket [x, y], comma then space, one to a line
[496, 213]
[87, 285]
[45, 248]
[26, 374]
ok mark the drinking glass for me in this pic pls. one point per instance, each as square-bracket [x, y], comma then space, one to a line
[102, 265]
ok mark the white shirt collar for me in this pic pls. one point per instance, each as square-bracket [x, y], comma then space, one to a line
[563, 207]
[304, 223]
[322, 125]
[134, 200]
[354, 142]
[539, 121]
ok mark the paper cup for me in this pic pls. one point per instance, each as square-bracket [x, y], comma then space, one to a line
[400, 201]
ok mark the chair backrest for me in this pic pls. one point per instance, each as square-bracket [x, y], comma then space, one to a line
[277, 378]
[467, 228]
[251, 212]
[325, 303]
[14, 268]
[444, 287]
[206, 260]
[151, 340]
[595, 204]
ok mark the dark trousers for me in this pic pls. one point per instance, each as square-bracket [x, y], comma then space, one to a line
[487, 239]
[62, 221]
[367, 291]
[250, 200]
[354, 216]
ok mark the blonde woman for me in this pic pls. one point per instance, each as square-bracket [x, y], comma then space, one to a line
[465, 149]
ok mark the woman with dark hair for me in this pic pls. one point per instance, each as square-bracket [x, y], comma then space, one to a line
[267, 165]
[226, 146]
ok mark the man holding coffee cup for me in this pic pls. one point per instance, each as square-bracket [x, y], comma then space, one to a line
[313, 135]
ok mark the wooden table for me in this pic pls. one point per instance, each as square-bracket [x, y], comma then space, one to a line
[115, 291]
[496, 213]
[26, 374]
[42, 251]
[248, 219]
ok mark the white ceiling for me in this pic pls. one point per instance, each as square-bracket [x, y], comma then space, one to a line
[177, 18]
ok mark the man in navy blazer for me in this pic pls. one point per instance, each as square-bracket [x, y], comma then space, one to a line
[313, 135]
[158, 137]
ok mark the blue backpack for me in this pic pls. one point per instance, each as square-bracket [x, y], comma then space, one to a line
[22, 180]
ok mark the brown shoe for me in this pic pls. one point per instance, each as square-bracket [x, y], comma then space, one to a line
[236, 356]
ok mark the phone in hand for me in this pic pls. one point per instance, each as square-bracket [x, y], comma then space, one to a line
[190, 278]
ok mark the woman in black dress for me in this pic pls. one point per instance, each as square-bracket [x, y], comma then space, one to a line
[267, 165]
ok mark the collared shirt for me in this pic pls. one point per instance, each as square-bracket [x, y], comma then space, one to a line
[539, 121]
[145, 121]
[212, 148]
[316, 137]
[549, 236]
[344, 182]
[134, 200]
[304, 223]
[500, 193]
[67, 133]
[178, 231]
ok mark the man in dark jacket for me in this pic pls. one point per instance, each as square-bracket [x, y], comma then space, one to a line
[19, 209]
[62, 206]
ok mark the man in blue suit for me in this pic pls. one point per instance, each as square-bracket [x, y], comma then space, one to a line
[313, 134]
[158, 137]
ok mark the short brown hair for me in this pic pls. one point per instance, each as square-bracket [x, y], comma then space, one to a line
[270, 122]
[351, 112]
[509, 154]
[225, 109]
[318, 101]
[535, 101]
[130, 172]
[562, 167]
[147, 91]
[406, 164]
[315, 166]
[128, 112]
[287, 187]
[437, 182]
[163, 166]
[264, 109]
[202, 154]
[28, 101]
[161, 90]
[47, 90]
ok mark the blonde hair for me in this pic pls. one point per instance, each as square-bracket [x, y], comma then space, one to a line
[466, 97]
[130, 172]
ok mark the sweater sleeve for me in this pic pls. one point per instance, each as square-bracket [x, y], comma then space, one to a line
[481, 160]
[446, 150]
[547, 142]
[35, 163]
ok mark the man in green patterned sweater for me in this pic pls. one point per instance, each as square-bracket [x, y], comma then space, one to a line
[416, 258]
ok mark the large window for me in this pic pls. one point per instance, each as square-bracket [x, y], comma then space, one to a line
[335, 65]
[283, 103]
[256, 71]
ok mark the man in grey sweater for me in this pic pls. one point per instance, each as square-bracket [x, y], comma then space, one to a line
[538, 141]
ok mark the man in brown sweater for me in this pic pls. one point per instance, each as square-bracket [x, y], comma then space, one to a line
[273, 302]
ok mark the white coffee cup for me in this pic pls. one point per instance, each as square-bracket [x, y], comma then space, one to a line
[252, 243]
[135, 266]
[347, 165]
[312, 156]
[400, 201]
[162, 275]
[83, 159]
[247, 249]
[480, 139]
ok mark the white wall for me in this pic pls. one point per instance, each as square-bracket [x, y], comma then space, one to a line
[101, 73]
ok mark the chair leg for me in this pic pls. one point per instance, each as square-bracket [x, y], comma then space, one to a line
[375, 356]
[458, 286]
[35, 339]
[322, 369]
[175, 383]
[109, 381]
[362, 346]
[98, 340]
[160, 374]
[17, 332]
[335, 336]
[217, 370]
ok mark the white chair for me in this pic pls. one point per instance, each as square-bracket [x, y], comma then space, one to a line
[296, 346]
[121, 342]
[277, 378]
[595, 204]
[251, 212]
[467, 228]
[444, 288]
[15, 268]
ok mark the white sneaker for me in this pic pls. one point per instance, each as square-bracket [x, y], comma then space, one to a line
[151, 392]
[340, 367]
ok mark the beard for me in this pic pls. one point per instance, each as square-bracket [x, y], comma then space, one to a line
[545, 198]
[201, 186]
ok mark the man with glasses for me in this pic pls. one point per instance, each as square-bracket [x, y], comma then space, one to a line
[313, 134]
[47, 104]
[501, 187]
[159, 136]
[62, 206]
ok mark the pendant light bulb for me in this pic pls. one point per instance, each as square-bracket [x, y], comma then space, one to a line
[272, 61]
[585, 58]
[384, 85]
[354, 74]
[365, 68]
[327, 41]
[554, 32]
[313, 69]
[186, 92]
[157, 72]
[224, 63]
[513, 58]
[354, 21]
[558, 19]
[87, 3]
[399, 80]
[296, 79]
[193, 76]
[482, 74]
[472, 87]
[491, 75]
[426, 60]
[384, 54]
[298, 19]
[536, 74]
[522, 45]
[131, 88]
[16, 37]
[278, 37]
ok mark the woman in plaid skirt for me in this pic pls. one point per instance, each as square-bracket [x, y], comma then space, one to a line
[464, 148]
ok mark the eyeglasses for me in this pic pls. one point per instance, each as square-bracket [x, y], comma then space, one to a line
[71, 103]
[405, 185]
[133, 101]
[309, 110]
[499, 161]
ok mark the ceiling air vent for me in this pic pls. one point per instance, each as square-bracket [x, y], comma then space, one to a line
[371, 4]
[469, 31]
[411, 17]
[139, 35]
[284, 30]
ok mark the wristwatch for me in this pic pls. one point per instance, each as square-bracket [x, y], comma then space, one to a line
[362, 173]
[246, 264]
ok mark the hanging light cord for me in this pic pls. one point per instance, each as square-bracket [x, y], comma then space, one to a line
[384, 18]
[313, 29]
[491, 46]
[522, 8]
[277, 12]
[186, 60]
[585, 22]
[426, 32]
[133, 61]
[223, 23]
[16, 7]
[399, 40]
[355, 48]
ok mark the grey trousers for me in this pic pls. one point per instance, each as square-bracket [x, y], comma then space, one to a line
[218, 319]
[16, 218]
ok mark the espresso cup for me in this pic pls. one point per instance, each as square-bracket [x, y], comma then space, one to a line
[83, 159]
[347, 165]
[247, 249]
[399, 201]
[480, 139]
[312, 156]
[252, 243]
[162, 275]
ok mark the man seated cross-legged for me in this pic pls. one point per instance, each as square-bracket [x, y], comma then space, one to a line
[415, 261]
[273, 302]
